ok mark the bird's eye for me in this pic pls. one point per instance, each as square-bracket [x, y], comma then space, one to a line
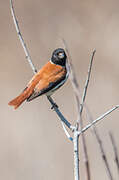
[61, 55]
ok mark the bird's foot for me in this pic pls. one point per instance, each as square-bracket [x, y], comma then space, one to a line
[54, 105]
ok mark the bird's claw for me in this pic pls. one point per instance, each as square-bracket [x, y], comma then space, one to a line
[54, 105]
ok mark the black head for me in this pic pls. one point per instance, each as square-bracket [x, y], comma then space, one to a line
[59, 57]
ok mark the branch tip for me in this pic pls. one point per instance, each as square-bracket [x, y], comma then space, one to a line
[98, 119]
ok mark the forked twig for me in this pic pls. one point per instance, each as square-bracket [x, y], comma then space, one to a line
[34, 69]
[78, 129]
[115, 150]
[76, 88]
[32, 65]
[75, 85]
[79, 124]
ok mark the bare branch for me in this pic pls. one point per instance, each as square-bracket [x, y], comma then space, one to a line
[75, 85]
[74, 82]
[86, 159]
[27, 52]
[78, 129]
[87, 81]
[21, 38]
[76, 155]
[102, 151]
[98, 119]
[66, 132]
[62, 118]
[115, 150]
[79, 120]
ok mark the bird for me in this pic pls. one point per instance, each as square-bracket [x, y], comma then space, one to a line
[47, 80]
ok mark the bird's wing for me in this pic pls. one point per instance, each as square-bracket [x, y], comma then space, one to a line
[51, 77]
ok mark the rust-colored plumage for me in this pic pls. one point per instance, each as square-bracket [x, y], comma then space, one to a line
[48, 75]
[51, 76]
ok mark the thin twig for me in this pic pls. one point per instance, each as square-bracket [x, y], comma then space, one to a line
[76, 90]
[80, 109]
[75, 85]
[102, 151]
[94, 128]
[98, 119]
[86, 159]
[66, 132]
[115, 150]
[87, 81]
[26, 49]
[62, 118]
[21, 38]
[74, 82]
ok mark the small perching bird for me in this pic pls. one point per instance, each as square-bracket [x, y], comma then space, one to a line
[49, 78]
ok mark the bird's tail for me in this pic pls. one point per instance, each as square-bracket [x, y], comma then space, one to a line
[20, 99]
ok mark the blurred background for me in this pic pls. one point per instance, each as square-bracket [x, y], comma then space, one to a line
[32, 142]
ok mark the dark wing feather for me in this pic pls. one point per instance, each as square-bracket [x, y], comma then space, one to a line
[51, 86]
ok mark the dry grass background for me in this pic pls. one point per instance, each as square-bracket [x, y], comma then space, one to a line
[32, 142]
